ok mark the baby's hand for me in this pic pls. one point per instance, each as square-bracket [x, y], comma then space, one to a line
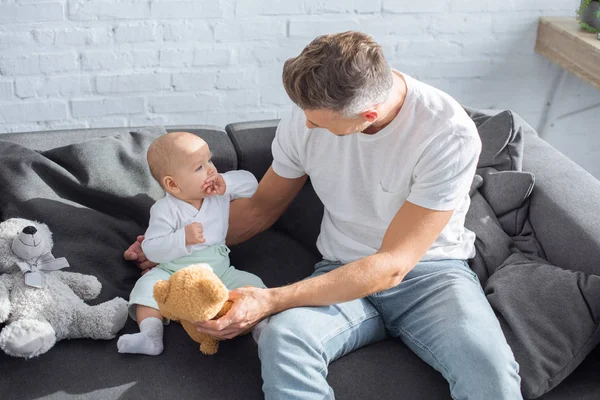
[215, 185]
[194, 234]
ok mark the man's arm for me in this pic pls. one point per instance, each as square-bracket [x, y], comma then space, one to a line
[248, 217]
[409, 236]
[445, 174]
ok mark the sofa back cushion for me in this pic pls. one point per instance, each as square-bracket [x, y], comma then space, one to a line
[252, 142]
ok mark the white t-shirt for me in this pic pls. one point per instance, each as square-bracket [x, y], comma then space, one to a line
[165, 236]
[427, 155]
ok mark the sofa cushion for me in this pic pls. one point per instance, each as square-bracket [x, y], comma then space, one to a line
[502, 141]
[506, 190]
[523, 289]
[46, 140]
[92, 192]
[387, 370]
[252, 143]
[95, 196]
[88, 369]
[493, 246]
[550, 317]
[302, 219]
[276, 257]
[224, 154]
[564, 207]
[86, 234]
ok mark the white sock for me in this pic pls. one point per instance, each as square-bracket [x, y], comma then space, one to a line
[149, 341]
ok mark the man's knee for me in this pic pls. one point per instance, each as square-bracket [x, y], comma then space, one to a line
[281, 331]
[488, 370]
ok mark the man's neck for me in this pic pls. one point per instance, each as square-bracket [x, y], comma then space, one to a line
[390, 109]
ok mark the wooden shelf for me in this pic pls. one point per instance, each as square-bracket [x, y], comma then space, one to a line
[561, 40]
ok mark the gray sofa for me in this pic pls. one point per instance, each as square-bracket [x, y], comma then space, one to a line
[97, 205]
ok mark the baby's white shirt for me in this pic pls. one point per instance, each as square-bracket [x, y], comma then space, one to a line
[165, 237]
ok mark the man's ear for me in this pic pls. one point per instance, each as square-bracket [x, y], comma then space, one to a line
[370, 115]
[170, 185]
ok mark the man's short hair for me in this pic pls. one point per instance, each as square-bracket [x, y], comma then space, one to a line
[344, 72]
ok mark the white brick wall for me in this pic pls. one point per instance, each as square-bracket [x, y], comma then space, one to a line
[90, 63]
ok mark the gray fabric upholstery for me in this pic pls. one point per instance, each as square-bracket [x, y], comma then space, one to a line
[225, 155]
[507, 193]
[386, 370]
[498, 214]
[95, 196]
[45, 140]
[500, 208]
[550, 317]
[252, 143]
[493, 245]
[502, 143]
[93, 227]
[302, 220]
[564, 208]
[106, 174]
[526, 292]
[506, 190]
[86, 369]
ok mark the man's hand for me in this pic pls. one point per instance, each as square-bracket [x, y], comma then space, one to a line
[250, 306]
[136, 254]
[194, 234]
[215, 185]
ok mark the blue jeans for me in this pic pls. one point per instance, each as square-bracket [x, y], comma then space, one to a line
[439, 311]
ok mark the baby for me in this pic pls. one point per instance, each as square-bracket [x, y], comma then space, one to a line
[195, 194]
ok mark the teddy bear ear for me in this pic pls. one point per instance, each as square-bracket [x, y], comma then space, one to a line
[161, 291]
[10, 229]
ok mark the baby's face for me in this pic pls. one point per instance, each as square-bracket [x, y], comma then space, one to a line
[194, 166]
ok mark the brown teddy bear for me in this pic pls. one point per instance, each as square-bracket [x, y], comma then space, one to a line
[194, 294]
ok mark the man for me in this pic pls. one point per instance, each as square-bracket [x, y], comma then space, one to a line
[392, 160]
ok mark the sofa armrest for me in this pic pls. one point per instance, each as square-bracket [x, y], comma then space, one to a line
[564, 207]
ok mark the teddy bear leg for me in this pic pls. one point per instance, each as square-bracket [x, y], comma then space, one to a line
[102, 321]
[209, 346]
[27, 338]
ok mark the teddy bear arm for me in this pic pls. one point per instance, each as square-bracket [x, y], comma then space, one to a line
[87, 287]
[6, 284]
[191, 330]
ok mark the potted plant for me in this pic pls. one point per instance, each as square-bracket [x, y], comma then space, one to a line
[588, 15]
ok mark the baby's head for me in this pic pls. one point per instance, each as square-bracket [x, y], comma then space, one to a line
[180, 162]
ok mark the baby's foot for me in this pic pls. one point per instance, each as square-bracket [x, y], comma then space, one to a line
[149, 341]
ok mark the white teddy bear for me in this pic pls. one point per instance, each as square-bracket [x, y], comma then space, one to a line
[42, 304]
